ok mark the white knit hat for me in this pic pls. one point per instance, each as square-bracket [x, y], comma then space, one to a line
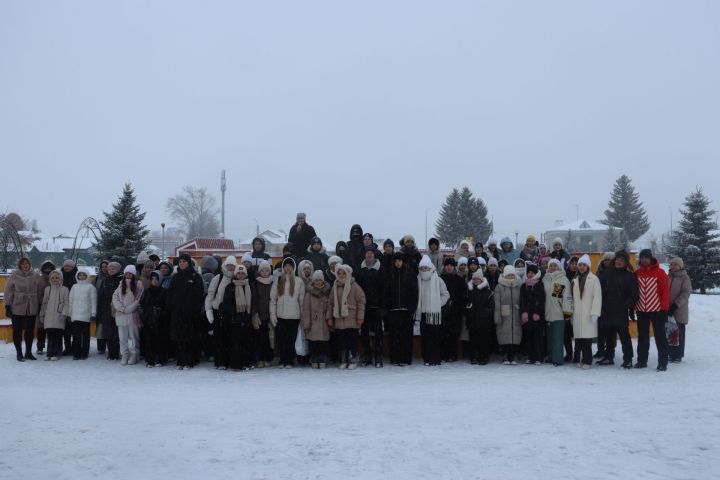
[509, 270]
[264, 265]
[492, 261]
[130, 269]
[586, 260]
[462, 261]
[335, 259]
[317, 275]
[478, 274]
[555, 261]
[426, 262]
[247, 257]
[481, 261]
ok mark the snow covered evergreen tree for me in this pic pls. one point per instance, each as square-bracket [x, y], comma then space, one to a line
[626, 211]
[695, 241]
[123, 232]
[463, 216]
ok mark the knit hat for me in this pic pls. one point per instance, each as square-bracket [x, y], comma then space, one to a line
[142, 258]
[555, 261]
[115, 265]
[462, 261]
[481, 261]
[185, 256]
[679, 261]
[531, 238]
[300, 215]
[368, 235]
[407, 238]
[388, 242]
[509, 270]
[69, 263]
[209, 263]
[241, 268]
[335, 259]
[492, 261]
[473, 261]
[149, 264]
[264, 265]
[492, 241]
[434, 241]
[288, 248]
[369, 248]
[608, 256]
[449, 261]
[247, 257]
[586, 260]
[478, 274]
[317, 275]
[425, 262]
[646, 253]
[558, 240]
[398, 256]
[531, 267]
[130, 269]
[154, 257]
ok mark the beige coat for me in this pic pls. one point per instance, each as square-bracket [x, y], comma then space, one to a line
[356, 307]
[314, 310]
[586, 307]
[24, 292]
[507, 312]
[55, 304]
[680, 288]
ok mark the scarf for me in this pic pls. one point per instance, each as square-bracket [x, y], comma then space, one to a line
[531, 282]
[264, 280]
[429, 298]
[220, 292]
[242, 295]
[340, 307]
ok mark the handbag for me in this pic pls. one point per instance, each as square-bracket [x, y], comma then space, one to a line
[301, 345]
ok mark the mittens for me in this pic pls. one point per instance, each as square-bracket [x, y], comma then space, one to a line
[536, 317]
[524, 318]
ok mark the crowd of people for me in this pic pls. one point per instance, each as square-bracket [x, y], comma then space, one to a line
[535, 303]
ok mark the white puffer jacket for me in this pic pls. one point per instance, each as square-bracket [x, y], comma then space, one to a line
[83, 300]
[286, 306]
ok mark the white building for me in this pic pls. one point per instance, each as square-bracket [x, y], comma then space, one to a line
[275, 240]
[580, 236]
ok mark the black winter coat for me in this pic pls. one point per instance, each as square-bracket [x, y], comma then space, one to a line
[458, 289]
[261, 300]
[387, 261]
[373, 281]
[532, 300]
[152, 307]
[480, 309]
[318, 259]
[619, 294]
[412, 259]
[69, 278]
[492, 279]
[402, 290]
[301, 239]
[104, 306]
[184, 303]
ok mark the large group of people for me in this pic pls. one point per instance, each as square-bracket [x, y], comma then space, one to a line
[536, 303]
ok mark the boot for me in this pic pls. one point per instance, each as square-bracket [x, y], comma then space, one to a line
[20, 357]
[101, 346]
[124, 360]
[29, 356]
[378, 361]
[132, 360]
[605, 361]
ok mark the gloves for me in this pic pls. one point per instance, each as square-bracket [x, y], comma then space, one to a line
[536, 317]
[273, 320]
[594, 318]
[93, 319]
[256, 321]
[8, 311]
[210, 316]
[524, 318]
[673, 309]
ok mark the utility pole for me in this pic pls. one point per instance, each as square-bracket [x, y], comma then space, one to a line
[222, 190]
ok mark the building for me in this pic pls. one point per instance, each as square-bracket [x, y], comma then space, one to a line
[58, 249]
[580, 236]
[200, 247]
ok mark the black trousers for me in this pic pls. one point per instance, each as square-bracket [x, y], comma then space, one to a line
[80, 339]
[241, 345]
[112, 339]
[481, 341]
[318, 351]
[372, 323]
[154, 346]
[658, 320]
[55, 342]
[221, 337]
[263, 352]
[347, 344]
[510, 351]
[585, 346]
[285, 336]
[67, 336]
[40, 338]
[677, 353]
[609, 333]
[569, 339]
[602, 340]
[184, 353]
[451, 327]
[399, 326]
[23, 327]
[432, 343]
[536, 340]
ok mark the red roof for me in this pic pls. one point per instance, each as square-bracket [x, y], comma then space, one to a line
[207, 244]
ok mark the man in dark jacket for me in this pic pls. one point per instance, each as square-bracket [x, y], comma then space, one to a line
[402, 299]
[105, 311]
[620, 293]
[69, 270]
[258, 251]
[371, 278]
[454, 309]
[316, 254]
[386, 259]
[356, 248]
[300, 235]
[184, 303]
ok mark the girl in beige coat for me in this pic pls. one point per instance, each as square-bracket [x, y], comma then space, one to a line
[315, 326]
[53, 314]
[23, 294]
[345, 314]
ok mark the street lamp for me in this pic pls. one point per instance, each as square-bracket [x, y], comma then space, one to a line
[162, 225]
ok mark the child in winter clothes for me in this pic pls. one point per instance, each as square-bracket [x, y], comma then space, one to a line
[401, 304]
[480, 306]
[305, 271]
[261, 314]
[126, 301]
[53, 314]
[454, 310]
[432, 297]
[315, 325]
[436, 256]
[83, 309]
[493, 273]
[520, 270]
[530, 251]
[235, 309]
[473, 266]
[154, 321]
[462, 268]
[345, 314]
[507, 314]
[463, 250]
[543, 255]
[532, 310]
[558, 307]
[587, 303]
[286, 299]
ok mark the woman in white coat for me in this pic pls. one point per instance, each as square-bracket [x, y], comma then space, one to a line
[286, 299]
[83, 310]
[587, 302]
[126, 301]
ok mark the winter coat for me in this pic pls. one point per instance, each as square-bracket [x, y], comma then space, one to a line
[228, 310]
[457, 287]
[558, 296]
[126, 305]
[437, 258]
[507, 313]
[356, 307]
[152, 307]
[680, 288]
[69, 278]
[24, 292]
[654, 287]
[480, 306]
[261, 300]
[373, 283]
[105, 296]
[259, 256]
[586, 306]
[492, 278]
[286, 306]
[387, 261]
[55, 307]
[532, 300]
[184, 303]
[318, 259]
[300, 239]
[412, 259]
[510, 256]
[83, 301]
[402, 290]
[530, 254]
[314, 319]
[216, 288]
[619, 294]
[561, 255]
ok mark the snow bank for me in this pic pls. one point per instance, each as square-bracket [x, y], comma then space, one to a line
[94, 418]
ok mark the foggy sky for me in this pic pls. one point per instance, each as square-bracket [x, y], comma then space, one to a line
[367, 113]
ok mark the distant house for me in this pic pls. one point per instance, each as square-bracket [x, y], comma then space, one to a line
[275, 240]
[199, 247]
[580, 236]
[58, 249]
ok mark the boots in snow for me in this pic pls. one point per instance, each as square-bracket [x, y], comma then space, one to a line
[132, 360]
[124, 360]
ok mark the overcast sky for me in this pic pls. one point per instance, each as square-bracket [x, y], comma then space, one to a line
[367, 113]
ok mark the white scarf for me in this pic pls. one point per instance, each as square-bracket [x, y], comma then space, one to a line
[343, 311]
[429, 301]
[242, 295]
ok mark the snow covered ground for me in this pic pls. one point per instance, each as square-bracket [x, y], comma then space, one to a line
[96, 419]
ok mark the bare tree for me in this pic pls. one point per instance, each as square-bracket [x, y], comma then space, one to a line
[195, 212]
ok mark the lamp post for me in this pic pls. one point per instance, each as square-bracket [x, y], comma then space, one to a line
[162, 225]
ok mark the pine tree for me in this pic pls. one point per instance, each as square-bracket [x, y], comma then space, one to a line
[123, 234]
[463, 216]
[614, 240]
[694, 241]
[626, 211]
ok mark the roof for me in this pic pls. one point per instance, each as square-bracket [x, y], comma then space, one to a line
[580, 225]
[207, 244]
[270, 236]
[59, 243]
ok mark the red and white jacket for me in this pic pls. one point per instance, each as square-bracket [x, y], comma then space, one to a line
[654, 288]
